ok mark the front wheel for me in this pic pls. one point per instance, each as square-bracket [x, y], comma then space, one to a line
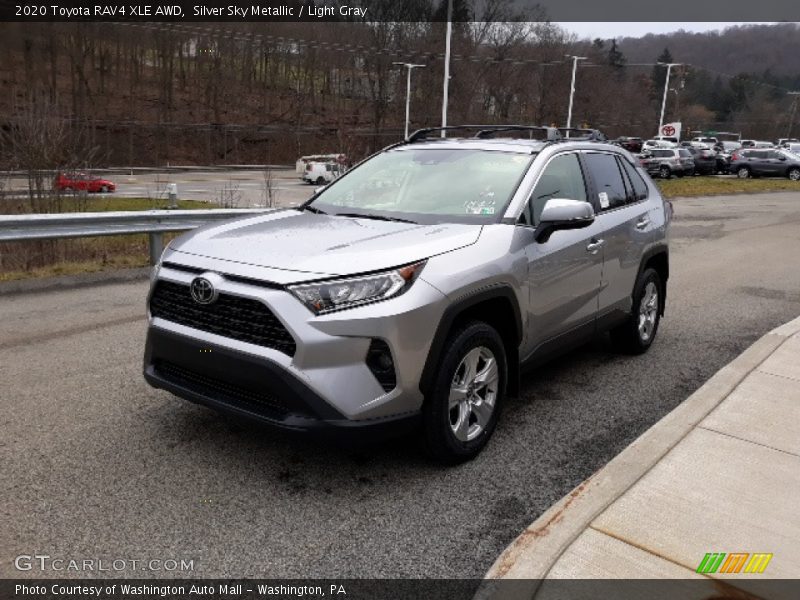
[664, 172]
[743, 173]
[461, 411]
[794, 174]
[637, 333]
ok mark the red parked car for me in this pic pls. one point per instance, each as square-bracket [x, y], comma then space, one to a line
[83, 181]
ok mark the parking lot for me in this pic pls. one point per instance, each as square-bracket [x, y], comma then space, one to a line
[98, 464]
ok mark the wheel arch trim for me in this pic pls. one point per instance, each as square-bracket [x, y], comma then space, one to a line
[458, 308]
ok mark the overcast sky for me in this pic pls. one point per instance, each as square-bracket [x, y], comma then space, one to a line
[617, 30]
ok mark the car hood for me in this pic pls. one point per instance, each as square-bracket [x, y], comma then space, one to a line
[294, 246]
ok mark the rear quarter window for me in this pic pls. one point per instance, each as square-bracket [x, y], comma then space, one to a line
[639, 187]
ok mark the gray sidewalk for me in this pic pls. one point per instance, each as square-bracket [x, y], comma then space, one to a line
[719, 474]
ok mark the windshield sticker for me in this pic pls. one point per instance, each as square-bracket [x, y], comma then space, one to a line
[603, 197]
[480, 207]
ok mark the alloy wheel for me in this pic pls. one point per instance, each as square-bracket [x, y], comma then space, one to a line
[648, 311]
[473, 393]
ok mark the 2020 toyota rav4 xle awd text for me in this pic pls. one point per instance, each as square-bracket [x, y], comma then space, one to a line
[411, 291]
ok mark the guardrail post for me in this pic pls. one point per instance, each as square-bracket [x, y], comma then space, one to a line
[172, 192]
[156, 246]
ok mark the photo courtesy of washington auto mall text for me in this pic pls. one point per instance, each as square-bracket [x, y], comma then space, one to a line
[399, 299]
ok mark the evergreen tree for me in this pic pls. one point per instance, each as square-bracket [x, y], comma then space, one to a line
[659, 75]
[615, 57]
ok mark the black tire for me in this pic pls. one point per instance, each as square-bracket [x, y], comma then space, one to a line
[628, 337]
[320, 181]
[104, 190]
[743, 173]
[664, 172]
[794, 174]
[437, 415]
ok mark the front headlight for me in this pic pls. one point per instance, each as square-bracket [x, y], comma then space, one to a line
[337, 294]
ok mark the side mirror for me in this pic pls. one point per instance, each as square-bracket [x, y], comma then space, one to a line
[782, 158]
[561, 213]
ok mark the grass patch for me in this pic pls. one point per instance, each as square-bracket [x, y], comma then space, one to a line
[716, 186]
[75, 268]
[110, 204]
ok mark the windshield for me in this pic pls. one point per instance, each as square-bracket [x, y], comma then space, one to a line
[428, 185]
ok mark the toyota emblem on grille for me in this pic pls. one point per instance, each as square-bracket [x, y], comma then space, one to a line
[203, 290]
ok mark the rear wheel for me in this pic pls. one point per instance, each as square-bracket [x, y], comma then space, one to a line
[637, 333]
[794, 174]
[743, 172]
[320, 180]
[461, 411]
[664, 172]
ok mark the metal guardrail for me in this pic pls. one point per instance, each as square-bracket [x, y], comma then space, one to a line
[15, 228]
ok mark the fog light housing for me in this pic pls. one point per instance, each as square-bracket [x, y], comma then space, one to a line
[380, 362]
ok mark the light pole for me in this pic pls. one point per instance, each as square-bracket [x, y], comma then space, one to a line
[447, 64]
[794, 110]
[575, 60]
[666, 89]
[409, 67]
[677, 103]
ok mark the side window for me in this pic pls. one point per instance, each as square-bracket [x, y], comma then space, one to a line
[562, 178]
[607, 179]
[773, 154]
[638, 184]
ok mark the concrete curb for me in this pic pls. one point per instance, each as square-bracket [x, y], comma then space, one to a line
[536, 549]
[67, 282]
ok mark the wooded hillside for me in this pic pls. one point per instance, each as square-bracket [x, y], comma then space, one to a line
[153, 93]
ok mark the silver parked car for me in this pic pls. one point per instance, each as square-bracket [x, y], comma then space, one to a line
[411, 291]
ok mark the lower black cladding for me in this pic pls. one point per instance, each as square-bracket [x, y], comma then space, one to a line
[250, 387]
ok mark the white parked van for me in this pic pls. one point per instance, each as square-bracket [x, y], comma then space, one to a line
[320, 173]
[302, 162]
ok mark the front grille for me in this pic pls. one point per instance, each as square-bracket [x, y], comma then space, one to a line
[222, 391]
[230, 316]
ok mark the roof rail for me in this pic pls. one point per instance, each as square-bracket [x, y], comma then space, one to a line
[593, 135]
[484, 131]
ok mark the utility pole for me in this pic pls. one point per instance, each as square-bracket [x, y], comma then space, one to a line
[666, 89]
[575, 60]
[447, 64]
[409, 67]
[794, 110]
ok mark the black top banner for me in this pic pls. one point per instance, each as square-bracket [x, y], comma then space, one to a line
[403, 10]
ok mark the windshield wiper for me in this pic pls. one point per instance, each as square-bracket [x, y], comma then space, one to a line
[312, 209]
[376, 217]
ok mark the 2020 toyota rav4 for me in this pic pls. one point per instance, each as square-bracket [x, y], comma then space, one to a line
[410, 291]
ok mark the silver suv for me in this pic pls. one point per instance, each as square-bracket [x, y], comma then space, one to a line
[411, 291]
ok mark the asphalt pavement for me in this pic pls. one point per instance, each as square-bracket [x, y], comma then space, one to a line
[97, 464]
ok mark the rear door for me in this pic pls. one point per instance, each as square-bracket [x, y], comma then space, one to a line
[620, 195]
[775, 163]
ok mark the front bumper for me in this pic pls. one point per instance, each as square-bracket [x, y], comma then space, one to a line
[325, 383]
[249, 388]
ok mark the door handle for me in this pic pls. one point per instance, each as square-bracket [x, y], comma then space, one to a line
[642, 223]
[595, 246]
